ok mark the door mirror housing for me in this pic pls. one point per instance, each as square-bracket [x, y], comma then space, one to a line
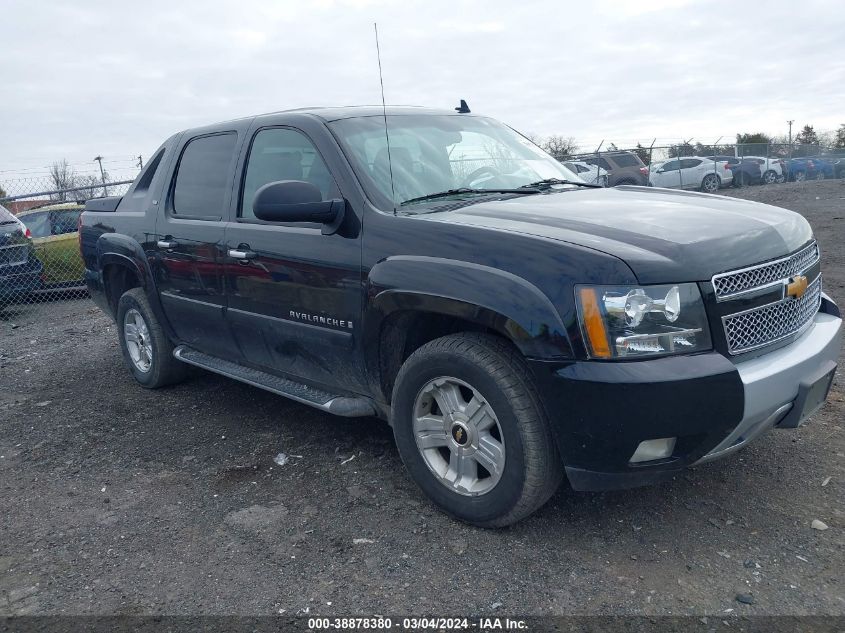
[297, 201]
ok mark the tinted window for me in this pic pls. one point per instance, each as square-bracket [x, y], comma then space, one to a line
[689, 163]
[283, 154]
[626, 160]
[672, 164]
[38, 223]
[204, 176]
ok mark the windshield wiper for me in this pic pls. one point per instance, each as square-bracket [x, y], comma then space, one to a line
[548, 182]
[465, 190]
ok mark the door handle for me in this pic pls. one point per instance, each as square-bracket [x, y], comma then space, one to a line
[167, 244]
[242, 255]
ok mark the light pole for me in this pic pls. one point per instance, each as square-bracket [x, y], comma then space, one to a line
[790, 137]
[99, 159]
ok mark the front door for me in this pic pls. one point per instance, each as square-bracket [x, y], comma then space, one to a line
[668, 175]
[190, 240]
[294, 294]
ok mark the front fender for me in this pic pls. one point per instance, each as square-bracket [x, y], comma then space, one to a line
[488, 296]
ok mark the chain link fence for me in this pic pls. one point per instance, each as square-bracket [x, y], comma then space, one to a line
[39, 246]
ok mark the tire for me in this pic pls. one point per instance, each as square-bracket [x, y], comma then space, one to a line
[770, 177]
[147, 351]
[487, 376]
[800, 176]
[710, 183]
[820, 175]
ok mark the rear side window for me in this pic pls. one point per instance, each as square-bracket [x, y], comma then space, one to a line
[626, 160]
[689, 163]
[601, 162]
[38, 223]
[204, 176]
[146, 178]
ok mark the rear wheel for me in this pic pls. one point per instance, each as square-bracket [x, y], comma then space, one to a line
[770, 177]
[472, 432]
[710, 183]
[146, 349]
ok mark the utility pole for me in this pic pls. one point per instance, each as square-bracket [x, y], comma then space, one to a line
[140, 162]
[99, 159]
[790, 137]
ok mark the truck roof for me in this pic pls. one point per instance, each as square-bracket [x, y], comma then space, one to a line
[334, 113]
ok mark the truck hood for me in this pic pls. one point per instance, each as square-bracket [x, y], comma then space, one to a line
[665, 236]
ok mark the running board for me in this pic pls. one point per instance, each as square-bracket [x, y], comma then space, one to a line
[346, 406]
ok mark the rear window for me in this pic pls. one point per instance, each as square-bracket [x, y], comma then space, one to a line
[5, 215]
[204, 176]
[626, 160]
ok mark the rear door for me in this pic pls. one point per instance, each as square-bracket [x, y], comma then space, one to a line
[190, 240]
[294, 306]
[692, 172]
[667, 175]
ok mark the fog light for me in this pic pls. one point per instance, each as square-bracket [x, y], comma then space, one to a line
[654, 449]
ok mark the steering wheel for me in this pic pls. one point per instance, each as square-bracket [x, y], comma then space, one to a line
[486, 169]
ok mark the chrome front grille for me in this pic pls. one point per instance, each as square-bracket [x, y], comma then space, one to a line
[738, 282]
[773, 322]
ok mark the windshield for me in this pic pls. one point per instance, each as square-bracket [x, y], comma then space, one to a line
[435, 153]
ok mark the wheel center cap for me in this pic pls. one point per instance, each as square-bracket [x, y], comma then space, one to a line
[460, 434]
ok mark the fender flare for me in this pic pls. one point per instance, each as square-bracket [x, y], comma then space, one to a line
[493, 298]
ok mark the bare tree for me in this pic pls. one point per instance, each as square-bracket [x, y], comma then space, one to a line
[62, 177]
[561, 147]
[93, 187]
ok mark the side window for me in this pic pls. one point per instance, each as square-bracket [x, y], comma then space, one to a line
[283, 154]
[689, 163]
[671, 165]
[600, 161]
[38, 223]
[64, 222]
[626, 160]
[204, 176]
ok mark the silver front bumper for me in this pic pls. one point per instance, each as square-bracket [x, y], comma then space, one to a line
[771, 381]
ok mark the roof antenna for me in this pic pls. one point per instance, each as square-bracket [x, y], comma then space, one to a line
[463, 108]
[384, 111]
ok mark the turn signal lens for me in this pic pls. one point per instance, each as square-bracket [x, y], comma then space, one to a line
[594, 324]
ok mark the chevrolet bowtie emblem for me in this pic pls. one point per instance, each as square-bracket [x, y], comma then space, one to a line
[796, 286]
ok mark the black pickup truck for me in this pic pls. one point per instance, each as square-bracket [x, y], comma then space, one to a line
[438, 270]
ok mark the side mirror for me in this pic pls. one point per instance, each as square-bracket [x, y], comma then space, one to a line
[659, 171]
[297, 201]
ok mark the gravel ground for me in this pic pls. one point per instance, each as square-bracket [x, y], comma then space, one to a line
[118, 500]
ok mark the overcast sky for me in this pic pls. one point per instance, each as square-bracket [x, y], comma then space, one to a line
[87, 77]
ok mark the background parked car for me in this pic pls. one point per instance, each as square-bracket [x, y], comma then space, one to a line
[20, 269]
[692, 172]
[589, 173]
[773, 169]
[810, 168]
[54, 234]
[837, 157]
[745, 172]
[622, 168]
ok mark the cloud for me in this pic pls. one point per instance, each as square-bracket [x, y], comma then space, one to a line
[116, 79]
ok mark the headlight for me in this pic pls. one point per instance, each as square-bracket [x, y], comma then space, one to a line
[625, 321]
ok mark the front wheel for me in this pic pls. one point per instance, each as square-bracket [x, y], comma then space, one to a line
[472, 432]
[146, 349]
[710, 183]
[770, 177]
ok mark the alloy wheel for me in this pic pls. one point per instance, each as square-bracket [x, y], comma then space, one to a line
[459, 436]
[138, 341]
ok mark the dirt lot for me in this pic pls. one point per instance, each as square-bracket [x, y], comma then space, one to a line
[117, 500]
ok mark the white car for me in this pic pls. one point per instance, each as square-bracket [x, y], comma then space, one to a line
[24, 230]
[589, 173]
[691, 172]
[771, 169]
